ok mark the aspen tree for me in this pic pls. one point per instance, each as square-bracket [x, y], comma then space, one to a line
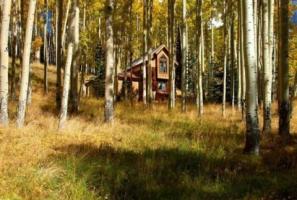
[45, 48]
[198, 57]
[252, 123]
[4, 61]
[184, 54]
[171, 102]
[14, 50]
[242, 56]
[202, 63]
[267, 67]
[144, 52]
[239, 59]
[149, 56]
[109, 90]
[65, 23]
[226, 45]
[26, 65]
[67, 70]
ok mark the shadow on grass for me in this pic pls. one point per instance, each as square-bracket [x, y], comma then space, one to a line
[174, 174]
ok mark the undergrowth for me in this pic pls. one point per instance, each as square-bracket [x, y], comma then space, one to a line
[146, 154]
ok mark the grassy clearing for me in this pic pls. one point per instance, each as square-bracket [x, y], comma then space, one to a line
[147, 154]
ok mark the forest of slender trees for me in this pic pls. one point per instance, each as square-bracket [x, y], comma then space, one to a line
[236, 51]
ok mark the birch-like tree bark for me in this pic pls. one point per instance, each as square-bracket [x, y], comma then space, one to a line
[144, 52]
[271, 11]
[171, 102]
[66, 86]
[226, 46]
[239, 63]
[283, 70]
[14, 50]
[184, 55]
[45, 49]
[26, 65]
[243, 64]
[202, 63]
[109, 90]
[232, 58]
[130, 46]
[149, 82]
[67, 70]
[4, 61]
[65, 23]
[198, 85]
[267, 67]
[252, 122]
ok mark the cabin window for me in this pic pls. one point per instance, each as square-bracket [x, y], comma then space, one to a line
[162, 86]
[163, 65]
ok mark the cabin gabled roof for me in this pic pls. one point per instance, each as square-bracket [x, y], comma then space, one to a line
[139, 61]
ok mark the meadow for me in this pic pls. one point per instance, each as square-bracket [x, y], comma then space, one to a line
[146, 154]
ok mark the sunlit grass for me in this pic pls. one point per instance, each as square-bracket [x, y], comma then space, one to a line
[146, 154]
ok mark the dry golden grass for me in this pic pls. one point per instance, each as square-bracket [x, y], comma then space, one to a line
[146, 154]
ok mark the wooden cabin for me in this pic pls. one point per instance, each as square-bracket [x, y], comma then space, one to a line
[160, 74]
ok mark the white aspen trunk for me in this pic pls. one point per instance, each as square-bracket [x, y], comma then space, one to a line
[145, 50]
[255, 16]
[226, 46]
[243, 65]
[149, 43]
[171, 102]
[212, 35]
[232, 61]
[67, 71]
[14, 51]
[212, 45]
[200, 73]
[65, 23]
[271, 11]
[199, 61]
[238, 56]
[224, 81]
[109, 90]
[66, 86]
[239, 68]
[267, 68]
[130, 48]
[26, 65]
[283, 70]
[252, 124]
[45, 50]
[184, 55]
[4, 61]
[202, 64]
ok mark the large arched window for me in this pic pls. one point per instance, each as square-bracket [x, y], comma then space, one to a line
[163, 65]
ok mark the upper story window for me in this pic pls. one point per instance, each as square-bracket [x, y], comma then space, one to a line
[163, 65]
